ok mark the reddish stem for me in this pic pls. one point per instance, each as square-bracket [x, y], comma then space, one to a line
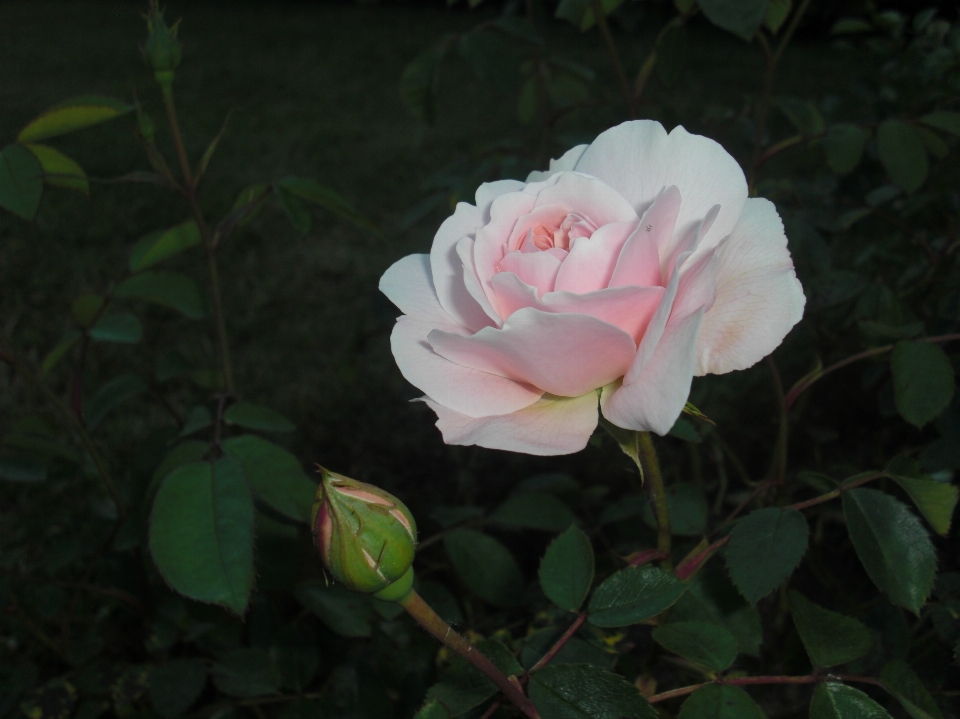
[753, 681]
[555, 649]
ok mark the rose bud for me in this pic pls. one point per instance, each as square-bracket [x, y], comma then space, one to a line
[162, 49]
[366, 537]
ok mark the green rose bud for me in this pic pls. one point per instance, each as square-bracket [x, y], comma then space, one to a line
[162, 49]
[366, 537]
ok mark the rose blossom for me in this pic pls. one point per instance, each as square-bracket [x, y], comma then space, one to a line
[633, 264]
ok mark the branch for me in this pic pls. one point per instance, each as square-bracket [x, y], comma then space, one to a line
[650, 466]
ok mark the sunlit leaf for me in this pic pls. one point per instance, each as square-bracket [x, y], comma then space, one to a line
[162, 244]
[59, 170]
[71, 115]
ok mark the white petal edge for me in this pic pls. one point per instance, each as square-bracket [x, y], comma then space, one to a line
[408, 283]
[759, 298]
[565, 162]
[552, 426]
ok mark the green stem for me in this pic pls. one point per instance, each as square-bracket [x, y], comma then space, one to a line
[614, 54]
[650, 466]
[444, 633]
[166, 89]
[77, 423]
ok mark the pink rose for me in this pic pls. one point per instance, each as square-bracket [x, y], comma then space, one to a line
[633, 264]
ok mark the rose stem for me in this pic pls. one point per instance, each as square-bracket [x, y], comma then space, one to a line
[658, 494]
[444, 633]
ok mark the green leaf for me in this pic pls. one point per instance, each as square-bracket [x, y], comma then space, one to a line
[274, 474]
[711, 597]
[944, 120]
[58, 352]
[765, 547]
[181, 454]
[110, 395]
[687, 508]
[462, 687]
[169, 289]
[311, 191]
[161, 244]
[838, 701]
[347, 613]
[922, 381]
[572, 10]
[741, 17]
[253, 416]
[777, 12]
[71, 115]
[211, 148]
[706, 644]
[585, 691]
[485, 566]
[296, 211]
[720, 701]
[904, 684]
[21, 181]
[935, 500]
[933, 142]
[534, 510]
[902, 154]
[433, 709]
[844, 145]
[247, 672]
[201, 533]
[197, 418]
[893, 546]
[632, 595]
[120, 327]
[175, 686]
[419, 80]
[830, 638]
[86, 309]
[59, 170]
[803, 114]
[22, 469]
[566, 571]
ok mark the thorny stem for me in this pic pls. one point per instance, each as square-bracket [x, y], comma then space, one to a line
[771, 61]
[804, 384]
[613, 53]
[77, 423]
[748, 681]
[650, 466]
[435, 626]
[209, 238]
[559, 644]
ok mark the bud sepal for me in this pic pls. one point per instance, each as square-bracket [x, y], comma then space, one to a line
[366, 537]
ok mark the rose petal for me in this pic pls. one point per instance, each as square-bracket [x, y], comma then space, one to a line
[697, 288]
[639, 260]
[552, 426]
[468, 391]
[566, 162]
[408, 284]
[447, 269]
[653, 401]
[489, 191]
[638, 159]
[655, 327]
[491, 239]
[629, 308]
[592, 260]
[563, 354]
[465, 251]
[537, 269]
[687, 245]
[758, 295]
[588, 196]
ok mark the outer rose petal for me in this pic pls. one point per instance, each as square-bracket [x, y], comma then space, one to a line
[563, 354]
[554, 425]
[639, 159]
[489, 191]
[639, 260]
[653, 401]
[588, 196]
[567, 162]
[758, 295]
[409, 285]
[591, 261]
[468, 391]
[447, 269]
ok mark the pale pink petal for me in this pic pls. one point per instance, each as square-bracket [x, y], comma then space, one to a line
[591, 261]
[468, 391]
[408, 284]
[491, 240]
[537, 269]
[697, 288]
[654, 400]
[629, 308]
[447, 269]
[638, 159]
[588, 196]
[489, 191]
[655, 327]
[566, 162]
[548, 215]
[639, 260]
[472, 282]
[563, 354]
[688, 244]
[552, 426]
[513, 293]
[758, 295]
